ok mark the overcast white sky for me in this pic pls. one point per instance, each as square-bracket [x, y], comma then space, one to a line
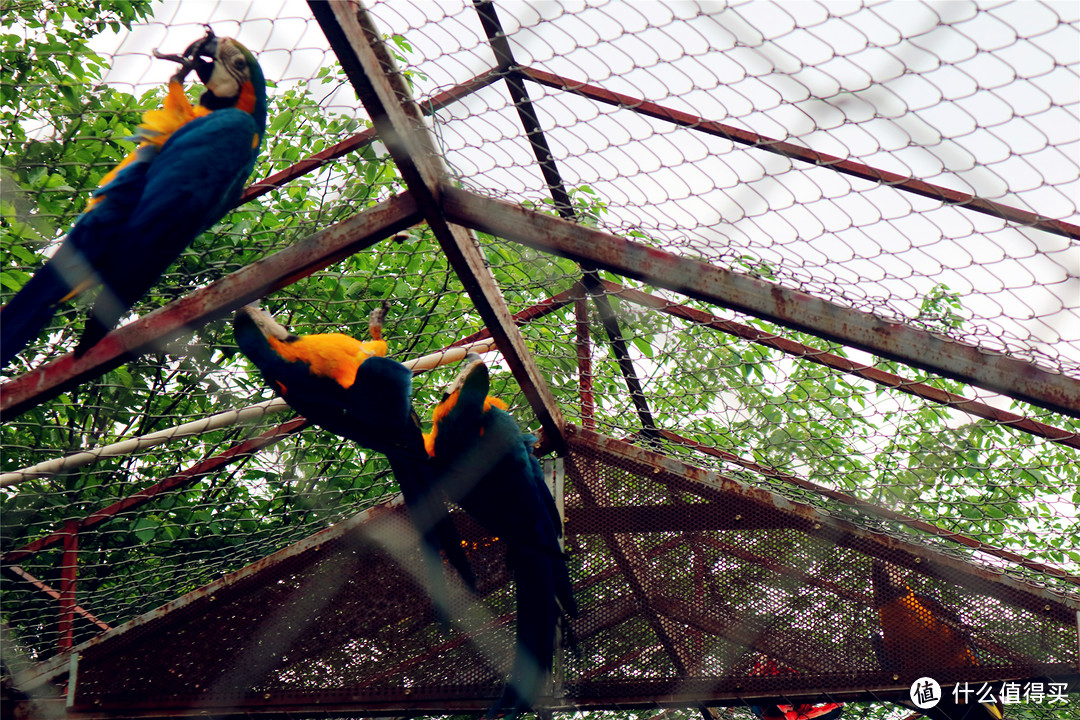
[978, 97]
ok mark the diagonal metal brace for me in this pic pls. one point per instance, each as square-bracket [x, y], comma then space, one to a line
[399, 122]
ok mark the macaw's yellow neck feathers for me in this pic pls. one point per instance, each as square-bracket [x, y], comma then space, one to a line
[443, 409]
[490, 402]
[156, 127]
[175, 112]
[332, 355]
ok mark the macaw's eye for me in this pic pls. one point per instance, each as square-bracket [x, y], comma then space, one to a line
[239, 63]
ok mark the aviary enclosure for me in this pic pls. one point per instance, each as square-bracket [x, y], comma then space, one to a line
[786, 291]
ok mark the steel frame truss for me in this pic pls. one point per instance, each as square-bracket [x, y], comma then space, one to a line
[453, 214]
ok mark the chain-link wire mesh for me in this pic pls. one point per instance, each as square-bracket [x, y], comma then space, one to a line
[969, 99]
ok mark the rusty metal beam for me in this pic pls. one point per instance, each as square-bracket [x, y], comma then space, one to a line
[793, 308]
[388, 100]
[843, 364]
[922, 558]
[619, 696]
[796, 152]
[200, 306]
[656, 518]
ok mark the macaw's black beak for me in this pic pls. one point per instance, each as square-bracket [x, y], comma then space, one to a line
[193, 57]
[205, 47]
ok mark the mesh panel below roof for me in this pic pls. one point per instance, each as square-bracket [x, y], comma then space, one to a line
[688, 585]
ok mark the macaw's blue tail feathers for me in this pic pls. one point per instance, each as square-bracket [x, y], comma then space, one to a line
[537, 619]
[428, 513]
[27, 314]
[91, 243]
[29, 311]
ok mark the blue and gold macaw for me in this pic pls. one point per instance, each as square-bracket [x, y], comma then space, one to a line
[351, 389]
[486, 465]
[188, 171]
[919, 634]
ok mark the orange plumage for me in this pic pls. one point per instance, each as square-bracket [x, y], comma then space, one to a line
[332, 355]
[156, 128]
[443, 409]
[917, 634]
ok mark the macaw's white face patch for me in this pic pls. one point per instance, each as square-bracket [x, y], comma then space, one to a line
[231, 70]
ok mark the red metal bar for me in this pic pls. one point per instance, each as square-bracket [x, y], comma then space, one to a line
[362, 138]
[791, 150]
[69, 570]
[173, 482]
[21, 574]
[200, 306]
[793, 308]
[806, 352]
[584, 358]
[873, 509]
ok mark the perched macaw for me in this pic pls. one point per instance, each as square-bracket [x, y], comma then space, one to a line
[350, 388]
[486, 465]
[189, 169]
[800, 711]
[919, 633]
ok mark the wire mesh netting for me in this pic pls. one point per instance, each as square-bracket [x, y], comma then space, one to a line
[691, 606]
[915, 162]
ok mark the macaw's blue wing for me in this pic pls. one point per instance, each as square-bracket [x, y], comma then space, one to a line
[487, 466]
[195, 178]
[375, 411]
